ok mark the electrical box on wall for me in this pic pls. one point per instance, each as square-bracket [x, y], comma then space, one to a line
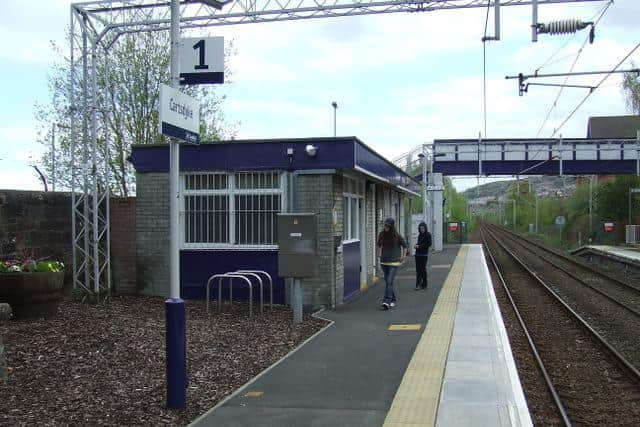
[297, 242]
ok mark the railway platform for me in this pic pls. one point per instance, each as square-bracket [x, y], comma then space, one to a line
[621, 253]
[440, 358]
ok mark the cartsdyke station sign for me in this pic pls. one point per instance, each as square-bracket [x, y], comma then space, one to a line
[179, 115]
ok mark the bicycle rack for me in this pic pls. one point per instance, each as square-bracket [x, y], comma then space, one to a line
[229, 276]
[268, 276]
[251, 274]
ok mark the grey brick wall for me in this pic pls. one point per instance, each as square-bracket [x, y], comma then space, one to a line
[337, 183]
[369, 233]
[312, 191]
[152, 239]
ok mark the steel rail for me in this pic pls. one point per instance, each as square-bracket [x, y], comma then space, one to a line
[619, 357]
[515, 239]
[547, 378]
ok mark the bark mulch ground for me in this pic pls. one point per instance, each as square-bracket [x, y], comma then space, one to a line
[105, 364]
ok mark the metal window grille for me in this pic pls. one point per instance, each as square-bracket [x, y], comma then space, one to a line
[237, 209]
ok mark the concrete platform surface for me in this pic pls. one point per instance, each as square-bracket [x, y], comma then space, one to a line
[481, 384]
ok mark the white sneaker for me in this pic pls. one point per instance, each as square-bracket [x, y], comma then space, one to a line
[393, 304]
[385, 306]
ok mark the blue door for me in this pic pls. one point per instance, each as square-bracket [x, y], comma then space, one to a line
[351, 253]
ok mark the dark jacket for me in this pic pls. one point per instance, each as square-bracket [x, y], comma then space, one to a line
[391, 253]
[424, 242]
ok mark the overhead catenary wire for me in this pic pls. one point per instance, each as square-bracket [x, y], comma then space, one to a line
[575, 61]
[595, 88]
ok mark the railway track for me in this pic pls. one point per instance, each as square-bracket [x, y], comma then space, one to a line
[590, 381]
[617, 322]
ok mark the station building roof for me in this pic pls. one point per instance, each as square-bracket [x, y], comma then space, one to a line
[338, 154]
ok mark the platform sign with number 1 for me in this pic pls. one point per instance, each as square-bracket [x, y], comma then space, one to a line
[201, 60]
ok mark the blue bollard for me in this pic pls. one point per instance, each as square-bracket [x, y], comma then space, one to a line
[176, 353]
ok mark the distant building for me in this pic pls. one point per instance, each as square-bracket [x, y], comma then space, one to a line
[613, 127]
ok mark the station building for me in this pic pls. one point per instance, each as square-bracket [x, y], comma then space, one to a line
[230, 196]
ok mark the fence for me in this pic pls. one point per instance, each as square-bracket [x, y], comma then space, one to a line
[632, 234]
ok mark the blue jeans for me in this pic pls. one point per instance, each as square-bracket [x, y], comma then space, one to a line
[389, 275]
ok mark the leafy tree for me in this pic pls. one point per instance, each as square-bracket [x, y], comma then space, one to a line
[128, 82]
[631, 90]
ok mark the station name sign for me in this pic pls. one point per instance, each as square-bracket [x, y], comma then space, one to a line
[179, 115]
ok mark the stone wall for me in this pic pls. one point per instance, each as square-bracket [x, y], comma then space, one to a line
[39, 222]
[312, 197]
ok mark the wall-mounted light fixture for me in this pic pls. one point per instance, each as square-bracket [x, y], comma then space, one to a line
[311, 150]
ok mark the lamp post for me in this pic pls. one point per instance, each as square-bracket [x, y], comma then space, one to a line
[514, 212]
[334, 104]
[632, 191]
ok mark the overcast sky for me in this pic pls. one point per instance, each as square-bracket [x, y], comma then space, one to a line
[399, 79]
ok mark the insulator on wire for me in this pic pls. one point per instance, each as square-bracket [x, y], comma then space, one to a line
[563, 27]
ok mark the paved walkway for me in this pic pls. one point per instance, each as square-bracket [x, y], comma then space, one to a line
[374, 367]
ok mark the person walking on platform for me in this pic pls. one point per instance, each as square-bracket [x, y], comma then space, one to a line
[422, 255]
[392, 248]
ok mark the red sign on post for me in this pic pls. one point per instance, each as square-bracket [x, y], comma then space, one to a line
[609, 227]
[453, 226]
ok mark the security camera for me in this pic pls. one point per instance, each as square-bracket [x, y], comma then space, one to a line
[312, 150]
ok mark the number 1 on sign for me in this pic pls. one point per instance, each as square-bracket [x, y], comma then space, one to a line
[201, 65]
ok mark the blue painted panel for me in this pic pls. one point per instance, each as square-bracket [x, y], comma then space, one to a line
[351, 254]
[569, 167]
[244, 156]
[197, 266]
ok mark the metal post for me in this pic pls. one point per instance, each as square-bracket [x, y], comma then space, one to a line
[296, 301]
[95, 237]
[176, 349]
[479, 159]
[424, 183]
[638, 152]
[496, 6]
[534, 20]
[536, 213]
[560, 152]
[53, 157]
[85, 158]
[630, 195]
[335, 109]
[72, 100]
[590, 205]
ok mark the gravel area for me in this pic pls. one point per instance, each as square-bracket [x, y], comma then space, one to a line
[105, 364]
[594, 389]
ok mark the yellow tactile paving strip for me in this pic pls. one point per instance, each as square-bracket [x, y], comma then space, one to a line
[409, 327]
[416, 401]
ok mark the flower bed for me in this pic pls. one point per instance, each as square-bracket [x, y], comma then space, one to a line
[105, 364]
